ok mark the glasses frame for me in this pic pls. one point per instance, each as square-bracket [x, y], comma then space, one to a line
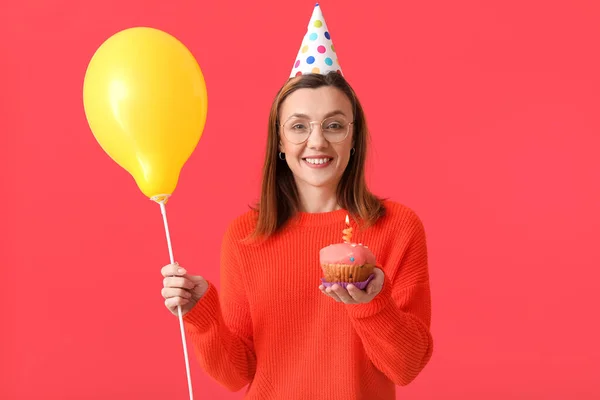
[312, 129]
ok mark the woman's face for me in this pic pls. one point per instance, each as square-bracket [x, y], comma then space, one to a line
[317, 161]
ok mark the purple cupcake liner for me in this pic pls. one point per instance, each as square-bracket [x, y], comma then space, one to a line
[360, 285]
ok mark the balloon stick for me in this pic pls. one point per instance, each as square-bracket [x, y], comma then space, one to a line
[161, 200]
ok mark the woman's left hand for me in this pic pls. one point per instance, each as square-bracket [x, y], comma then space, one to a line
[354, 295]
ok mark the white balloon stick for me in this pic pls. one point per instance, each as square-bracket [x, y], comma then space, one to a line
[163, 209]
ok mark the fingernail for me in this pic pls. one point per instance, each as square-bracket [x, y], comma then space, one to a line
[181, 271]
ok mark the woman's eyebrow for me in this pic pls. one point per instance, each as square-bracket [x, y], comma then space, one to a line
[329, 114]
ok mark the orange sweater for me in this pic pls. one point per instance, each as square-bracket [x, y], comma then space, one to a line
[272, 329]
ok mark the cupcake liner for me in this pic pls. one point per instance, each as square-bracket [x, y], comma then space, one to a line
[346, 272]
[360, 285]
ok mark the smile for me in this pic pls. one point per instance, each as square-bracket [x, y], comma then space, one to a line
[318, 162]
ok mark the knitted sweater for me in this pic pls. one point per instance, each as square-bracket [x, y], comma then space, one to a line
[272, 329]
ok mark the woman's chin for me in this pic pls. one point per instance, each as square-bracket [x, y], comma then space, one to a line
[324, 181]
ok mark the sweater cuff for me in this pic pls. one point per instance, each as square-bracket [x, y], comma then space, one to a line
[205, 313]
[375, 306]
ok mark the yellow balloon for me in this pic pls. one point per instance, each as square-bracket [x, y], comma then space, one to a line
[145, 101]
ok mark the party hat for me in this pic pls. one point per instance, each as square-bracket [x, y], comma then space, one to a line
[317, 54]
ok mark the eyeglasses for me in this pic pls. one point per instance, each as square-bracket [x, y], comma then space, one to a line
[297, 129]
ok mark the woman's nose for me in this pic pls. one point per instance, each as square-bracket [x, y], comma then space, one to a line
[316, 138]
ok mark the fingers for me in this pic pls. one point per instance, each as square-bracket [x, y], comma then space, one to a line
[374, 288]
[173, 302]
[379, 275]
[172, 270]
[359, 296]
[175, 297]
[175, 276]
[341, 294]
[168, 293]
[178, 282]
[338, 293]
[179, 289]
[328, 292]
[376, 285]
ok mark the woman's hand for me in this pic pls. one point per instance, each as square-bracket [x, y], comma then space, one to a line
[180, 289]
[352, 294]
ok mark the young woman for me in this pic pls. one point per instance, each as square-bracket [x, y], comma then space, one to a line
[273, 327]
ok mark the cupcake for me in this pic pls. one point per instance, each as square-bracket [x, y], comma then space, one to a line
[345, 263]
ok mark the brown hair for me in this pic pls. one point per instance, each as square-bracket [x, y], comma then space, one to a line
[279, 199]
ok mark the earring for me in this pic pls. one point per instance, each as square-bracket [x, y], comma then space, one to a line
[281, 156]
[352, 151]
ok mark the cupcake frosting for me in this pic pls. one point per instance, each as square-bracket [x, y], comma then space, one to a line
[346, 253]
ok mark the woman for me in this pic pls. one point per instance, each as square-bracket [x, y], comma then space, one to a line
[274, 328]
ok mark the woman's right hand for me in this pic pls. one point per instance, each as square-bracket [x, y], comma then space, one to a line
[180, 289]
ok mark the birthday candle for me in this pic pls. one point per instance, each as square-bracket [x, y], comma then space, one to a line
[347, 232]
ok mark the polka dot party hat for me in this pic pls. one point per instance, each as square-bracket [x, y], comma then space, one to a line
[317, 54]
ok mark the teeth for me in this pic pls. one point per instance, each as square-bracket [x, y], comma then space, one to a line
[317, 160]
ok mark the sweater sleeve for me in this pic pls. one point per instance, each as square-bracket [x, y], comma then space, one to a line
[394, 326]
[220, 327]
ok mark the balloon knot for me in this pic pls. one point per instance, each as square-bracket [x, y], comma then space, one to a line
[161, 198]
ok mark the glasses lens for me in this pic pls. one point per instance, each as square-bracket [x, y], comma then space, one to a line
[296, 130]
[335, 129]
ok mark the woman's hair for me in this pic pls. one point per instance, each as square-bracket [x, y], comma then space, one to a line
[279, 199]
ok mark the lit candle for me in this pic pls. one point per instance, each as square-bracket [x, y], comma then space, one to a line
[347, 233]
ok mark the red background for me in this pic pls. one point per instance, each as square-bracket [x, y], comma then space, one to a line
[484, 117]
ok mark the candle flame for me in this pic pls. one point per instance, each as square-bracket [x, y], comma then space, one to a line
[347, 232]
